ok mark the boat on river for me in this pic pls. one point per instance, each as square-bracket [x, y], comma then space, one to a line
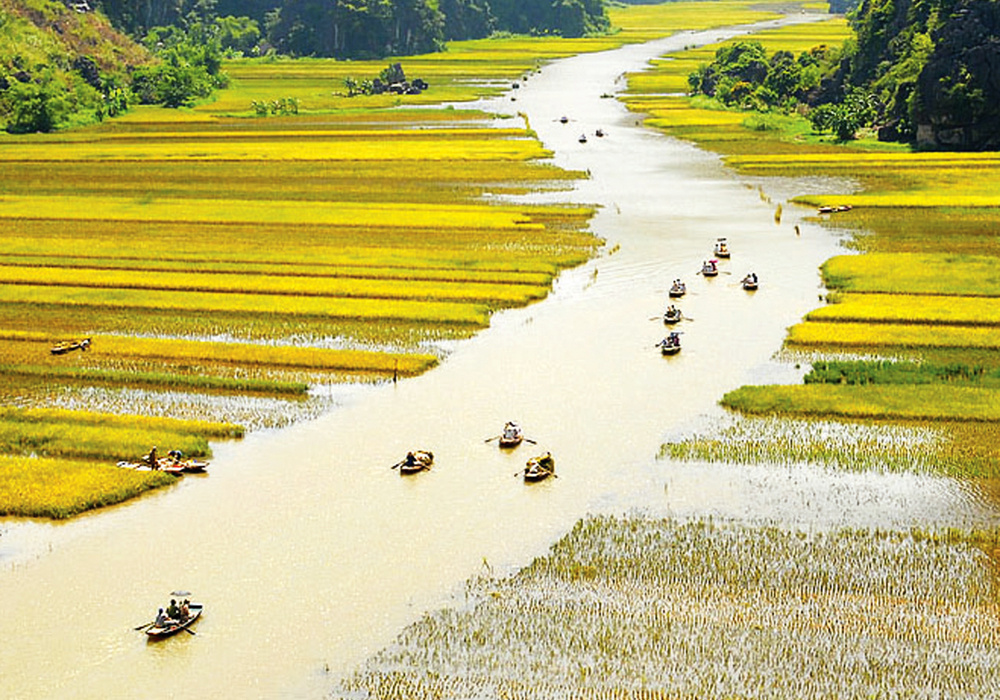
[512, 435]
[721, 248]
[710, 268]
[172, 627]
[672, 314]
[540, 467]
[671, 345]
[583, 138]
[677, 289]
[416, 461]
[750, 282]
[69, 346]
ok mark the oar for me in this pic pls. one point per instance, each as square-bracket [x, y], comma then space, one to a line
[189, 631]
[397, 464]
[495, 437]
[141, 627]
[530, 440]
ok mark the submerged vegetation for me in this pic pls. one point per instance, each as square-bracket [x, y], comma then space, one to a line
[640, 607]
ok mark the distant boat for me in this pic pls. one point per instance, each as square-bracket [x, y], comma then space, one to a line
[599, 133]
[710, 268]
[672, 314]
[583, 138]
[750, 282]
[564, 119]
[721, 248]
[677, 289]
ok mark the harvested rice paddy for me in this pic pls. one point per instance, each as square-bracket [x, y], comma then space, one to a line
[641, 607]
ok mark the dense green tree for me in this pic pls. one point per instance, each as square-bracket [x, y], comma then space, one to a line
[36, 105]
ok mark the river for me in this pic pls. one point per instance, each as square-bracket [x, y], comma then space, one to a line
[310, 553]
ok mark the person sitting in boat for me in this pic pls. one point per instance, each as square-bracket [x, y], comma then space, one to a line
[173, 611]
[185, 610]
[161, 619]
[411, 459]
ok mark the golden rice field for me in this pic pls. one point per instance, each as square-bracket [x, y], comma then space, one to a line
[915, 273]
[60, 488]
[647, 608]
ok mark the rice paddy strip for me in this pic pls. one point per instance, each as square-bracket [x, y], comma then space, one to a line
[317, 307]
[894, 402]
[646, 608]
[341, 214]
[909, 309]
[891, 336]
[39, 416]
[915, 273]
[24, 265]
[56, 488]
[122, 348]
[217, 282]
[154, 380]
[849, 447]
[73, 440]
[328, 148]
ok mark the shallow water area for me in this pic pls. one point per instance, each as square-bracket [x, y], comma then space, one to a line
[310, 552]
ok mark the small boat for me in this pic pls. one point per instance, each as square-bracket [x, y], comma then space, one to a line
[672, 314]
[830, 209]
[416, 461]
[69, 346]
[750, 282]
[671, 345]
[721, 248]
[540, 467]
[564, 119]
[172, 627]
[175, 460]
[710, 268]
[599, 133]
[512, 435]
[677, 289]
[583, 138]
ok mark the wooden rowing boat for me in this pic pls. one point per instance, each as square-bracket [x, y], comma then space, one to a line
[721, 248]
[672, 315]
[540, 467]
[671, 345]
[172, 627]
[69, 346]
[750, 282]
[416, 461]
[677, 289]
[710, 268]
[512, 435]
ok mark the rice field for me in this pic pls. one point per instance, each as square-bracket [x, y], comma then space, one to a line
[640, 607]
[60, 488]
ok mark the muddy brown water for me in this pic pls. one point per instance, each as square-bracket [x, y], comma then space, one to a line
[310, 553]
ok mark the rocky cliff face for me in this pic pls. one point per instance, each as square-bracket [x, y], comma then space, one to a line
[957, 105]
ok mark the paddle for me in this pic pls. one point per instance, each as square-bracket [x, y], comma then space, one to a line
[189, 631]
[530, 440]
[142, 627]
[397, 464]
[495, 437]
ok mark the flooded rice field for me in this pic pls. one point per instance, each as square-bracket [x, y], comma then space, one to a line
[311, 554]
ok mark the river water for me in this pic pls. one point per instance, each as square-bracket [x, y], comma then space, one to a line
[310, 553]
